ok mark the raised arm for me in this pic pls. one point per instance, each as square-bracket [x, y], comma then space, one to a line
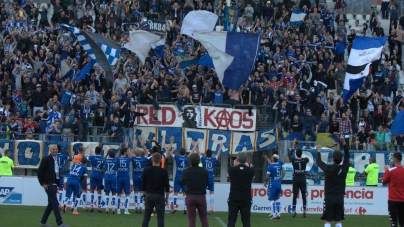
[143, 145]
[319, 162]
[346, 150]
[220, 149]
[195, 144]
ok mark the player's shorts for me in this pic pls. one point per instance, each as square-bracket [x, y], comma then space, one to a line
[72, 186]
[110, 184]
[61, 183]
[178, 186]
[299, 185]
[96, 182]
[274, 193]
[211, 184]
[123, 183]
[333, 209]
[137, 183]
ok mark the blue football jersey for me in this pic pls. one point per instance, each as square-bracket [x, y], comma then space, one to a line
[182, 162]
[209, 164]
[138, 163]
[123, 166]
[77, 171]
[110, 167]
[275, 173]
[97, 163]
[62, 160]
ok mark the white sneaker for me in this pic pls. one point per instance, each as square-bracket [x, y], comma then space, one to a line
[118, 211]
[126, 212]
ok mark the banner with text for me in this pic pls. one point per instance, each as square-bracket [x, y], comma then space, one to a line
[157, 27]
[358, 200]
[360, 160]
[206, 117]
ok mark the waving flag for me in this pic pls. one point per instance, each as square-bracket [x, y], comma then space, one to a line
[200, 20]
[83, 72]
[140, 43]
[158, 48]
[105, 51]
[364, 51]
[233, 54]
[206, 60]
[184, 61]
[65, 71]
[297, 17]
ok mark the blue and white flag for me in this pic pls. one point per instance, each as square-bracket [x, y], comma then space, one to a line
[82, 40]
[199, 20]
[297, 17]
[206, 60]
[233, 54]
[158, 49]
[364, 51]
[185, 61]
[83, 72]
[140, 43]
[65, 71]
[105, 51]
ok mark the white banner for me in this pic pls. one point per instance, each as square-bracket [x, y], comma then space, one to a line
[206, 117]
[358, 200]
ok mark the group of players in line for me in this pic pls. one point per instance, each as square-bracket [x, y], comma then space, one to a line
[112, 174]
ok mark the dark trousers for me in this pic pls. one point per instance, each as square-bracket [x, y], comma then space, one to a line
[396, 211]
[196, 202]
[83, 130]
[154, 201]
[245, 210]
[53, 204]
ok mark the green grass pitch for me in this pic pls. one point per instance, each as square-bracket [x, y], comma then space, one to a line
[27, 216]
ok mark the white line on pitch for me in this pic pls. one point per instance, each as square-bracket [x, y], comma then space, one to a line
[220, 221]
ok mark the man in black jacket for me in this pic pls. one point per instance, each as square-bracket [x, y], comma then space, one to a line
[38, 98]
[196, 180]
[48, 177]
[128, 122]
[334, 186]
[241, 177]
[154, 185]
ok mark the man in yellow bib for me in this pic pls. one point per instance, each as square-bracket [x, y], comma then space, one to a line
[372, 173]
[6, 164]
[350, 177]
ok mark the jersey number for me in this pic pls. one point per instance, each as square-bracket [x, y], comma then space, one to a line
[209, 165]
[123, 163]
[99, 163]
[111, 166]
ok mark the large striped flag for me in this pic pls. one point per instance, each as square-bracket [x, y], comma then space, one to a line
[105, 51]
[233, 54]
[364, 51]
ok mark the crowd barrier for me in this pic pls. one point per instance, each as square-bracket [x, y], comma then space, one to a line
[358, 200]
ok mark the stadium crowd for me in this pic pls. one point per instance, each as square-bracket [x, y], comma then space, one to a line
[297, 81]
